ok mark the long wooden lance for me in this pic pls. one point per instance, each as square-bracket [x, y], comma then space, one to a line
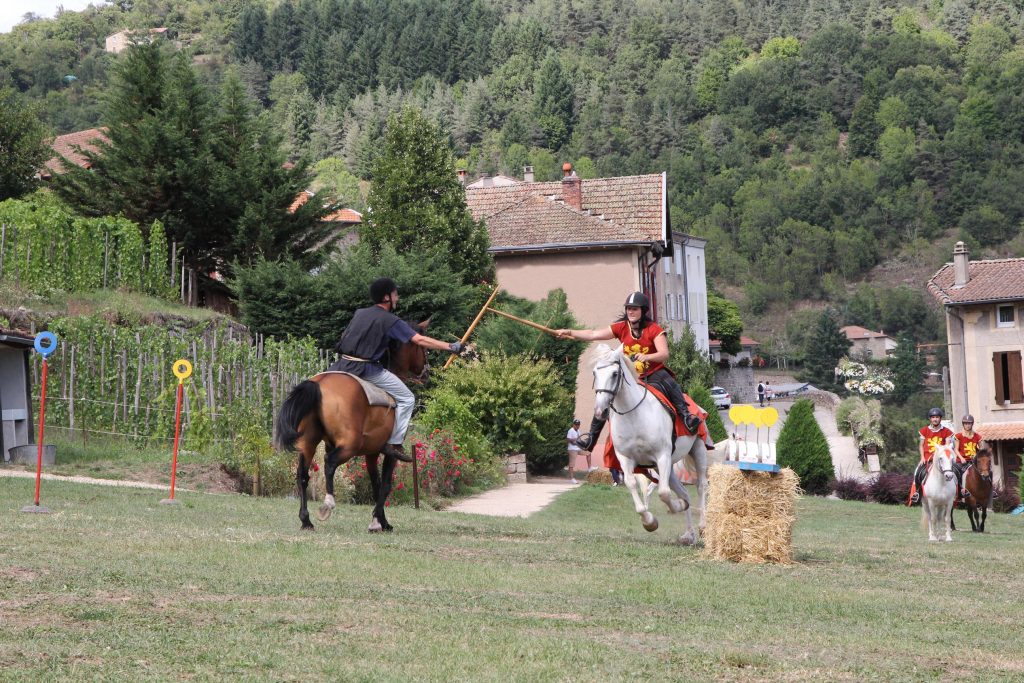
[503, 314]
[473, 325]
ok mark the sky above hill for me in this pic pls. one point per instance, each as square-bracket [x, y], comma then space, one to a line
[12, 11]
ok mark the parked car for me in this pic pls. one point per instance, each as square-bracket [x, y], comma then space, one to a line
[722, 398]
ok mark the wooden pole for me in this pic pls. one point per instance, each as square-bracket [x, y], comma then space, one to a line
[532, 324]
[473, 325]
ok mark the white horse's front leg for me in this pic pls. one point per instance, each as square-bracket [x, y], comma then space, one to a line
[649, 521]
[665, 473]
[947, 522]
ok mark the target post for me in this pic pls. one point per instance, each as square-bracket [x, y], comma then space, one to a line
[45, 344]
[182, 369]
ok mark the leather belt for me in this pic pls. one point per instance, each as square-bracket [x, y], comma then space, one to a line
[357, 360]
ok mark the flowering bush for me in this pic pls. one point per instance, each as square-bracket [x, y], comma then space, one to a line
[444, 471]
[864, 380]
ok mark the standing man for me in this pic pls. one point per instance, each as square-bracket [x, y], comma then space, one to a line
[760, 393]
[933, 435]
[364, 343]
[571, 437]
[967, 441]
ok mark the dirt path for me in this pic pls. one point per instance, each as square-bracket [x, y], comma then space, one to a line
[17, 474]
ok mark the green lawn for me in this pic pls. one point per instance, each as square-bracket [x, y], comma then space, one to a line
[115, 586]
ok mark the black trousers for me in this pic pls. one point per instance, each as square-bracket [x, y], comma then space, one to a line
[664, 382]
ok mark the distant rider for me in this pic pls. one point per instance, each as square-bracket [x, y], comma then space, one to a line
[364, 343]
[967, 441]
[933, 435]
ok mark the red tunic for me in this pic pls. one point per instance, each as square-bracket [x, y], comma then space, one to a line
[967, 446]
[643, 344]
[933, 439]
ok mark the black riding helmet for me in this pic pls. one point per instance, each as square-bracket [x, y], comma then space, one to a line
[637, 299]
[936, 411]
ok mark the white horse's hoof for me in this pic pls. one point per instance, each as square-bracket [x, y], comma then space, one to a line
[375, 526]
[689, 538]
[324, 513]
[649, 521]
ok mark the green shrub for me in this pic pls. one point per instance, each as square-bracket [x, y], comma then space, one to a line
[803, 447]
[702, 396]
[267, 471]
[445, 410]
[520, 403]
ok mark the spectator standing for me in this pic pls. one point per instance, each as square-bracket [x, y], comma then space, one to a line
[760, 394]
[571, 437]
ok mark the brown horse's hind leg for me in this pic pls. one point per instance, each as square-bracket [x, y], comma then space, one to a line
[334, 458]
[381, 485]
[302, 482]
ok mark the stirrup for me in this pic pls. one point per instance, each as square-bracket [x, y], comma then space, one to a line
[915, 497]
[691, 422]
[583, 442]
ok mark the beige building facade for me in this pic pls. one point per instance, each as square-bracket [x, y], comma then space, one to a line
[984, 301]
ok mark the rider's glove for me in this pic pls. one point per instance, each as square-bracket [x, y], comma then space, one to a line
[456, 347]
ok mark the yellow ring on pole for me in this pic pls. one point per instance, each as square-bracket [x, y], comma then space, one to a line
[182, 369]
[769, 416]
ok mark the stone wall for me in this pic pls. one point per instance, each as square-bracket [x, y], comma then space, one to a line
[515, 468]
[739, 382]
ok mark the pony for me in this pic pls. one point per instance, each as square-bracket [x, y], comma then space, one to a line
[643, 434]
[977, 489]
[938, 494]
[333, 407]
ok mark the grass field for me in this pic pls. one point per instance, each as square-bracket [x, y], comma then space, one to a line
[115, 586]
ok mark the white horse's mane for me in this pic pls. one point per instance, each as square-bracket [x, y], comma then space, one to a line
[604, 353]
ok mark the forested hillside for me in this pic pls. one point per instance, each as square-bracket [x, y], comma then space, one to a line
[809, 140]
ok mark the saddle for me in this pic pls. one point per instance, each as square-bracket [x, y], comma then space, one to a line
[375, 396]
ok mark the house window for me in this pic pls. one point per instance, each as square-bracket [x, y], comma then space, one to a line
[1008, 379]
[680, 304]
[668, 305]
[668, 264]
[677, 256]
[1005, 316]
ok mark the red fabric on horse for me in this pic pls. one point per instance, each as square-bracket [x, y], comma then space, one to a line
[611, 461]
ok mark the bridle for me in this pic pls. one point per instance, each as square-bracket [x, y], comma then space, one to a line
[618, 384]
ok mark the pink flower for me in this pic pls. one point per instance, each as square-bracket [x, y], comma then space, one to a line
[457, 473]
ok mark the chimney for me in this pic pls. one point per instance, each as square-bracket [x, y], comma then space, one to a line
[961, 270]
[462, 175]
[572, 188]
[528, 174]
[486, 180]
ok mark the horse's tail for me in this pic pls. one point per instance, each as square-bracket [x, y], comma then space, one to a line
[303, 399]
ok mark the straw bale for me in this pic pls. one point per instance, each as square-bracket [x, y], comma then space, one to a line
[750, 515]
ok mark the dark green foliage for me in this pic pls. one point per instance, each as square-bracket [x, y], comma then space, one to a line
[908, 368]
[824, 347]
[724, 323]
[211, 174]
[23, 146]
[516, 339]
[418, 206]
[690, 365]
[283, 298]
[802, 446]
[702, 396]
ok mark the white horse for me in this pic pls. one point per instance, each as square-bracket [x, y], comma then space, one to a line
[642, 431]
[938, 494]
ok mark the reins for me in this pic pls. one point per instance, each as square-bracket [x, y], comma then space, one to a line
[614, 392]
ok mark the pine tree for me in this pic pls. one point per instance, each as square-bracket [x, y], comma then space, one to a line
[826, 345]
[908, 368]
[802, 447]
[417, 203]
[553, 101]
[249, 35]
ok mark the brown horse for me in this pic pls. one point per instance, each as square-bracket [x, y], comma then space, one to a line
[977, 492]
[333, 408]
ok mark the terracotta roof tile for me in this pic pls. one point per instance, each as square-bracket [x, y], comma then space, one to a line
[64, 146]
[858, 332]
[339, 216]
[542, 221]
[633, 204]
[992, 280]
[1001, 431]
[744, 341]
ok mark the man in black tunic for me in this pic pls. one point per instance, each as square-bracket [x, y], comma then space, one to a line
[365, 341]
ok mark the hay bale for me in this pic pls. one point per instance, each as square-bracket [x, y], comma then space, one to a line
[750, 515]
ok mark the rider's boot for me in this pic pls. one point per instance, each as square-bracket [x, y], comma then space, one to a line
[396, 450]
[918, 483]
[690, 421]
[587, 441]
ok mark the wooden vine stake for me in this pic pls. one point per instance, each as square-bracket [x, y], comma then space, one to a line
[45, 344]
[182, 370]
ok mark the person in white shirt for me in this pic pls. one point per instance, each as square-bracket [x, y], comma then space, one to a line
[570, 437]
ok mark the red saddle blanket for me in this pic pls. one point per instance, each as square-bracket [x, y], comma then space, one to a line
[611, 462]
